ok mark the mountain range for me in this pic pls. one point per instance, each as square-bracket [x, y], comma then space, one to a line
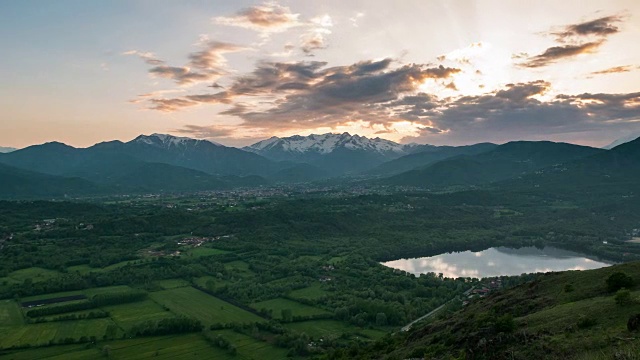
[336, 154]
[7, 149]
[165, 163]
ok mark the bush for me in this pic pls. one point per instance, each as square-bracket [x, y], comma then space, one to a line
[623, 297]
[505, 324]
[619, 280]
[585, 322]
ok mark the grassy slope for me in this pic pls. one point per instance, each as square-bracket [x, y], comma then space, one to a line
[547, 318]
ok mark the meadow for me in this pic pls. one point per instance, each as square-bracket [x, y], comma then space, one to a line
[196, 304]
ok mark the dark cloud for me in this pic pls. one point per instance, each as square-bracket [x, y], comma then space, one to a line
[516, 112]
[573, 40]
[182, 75]
[268, 17]
[555, 53]
[614, 70]
[601, 27]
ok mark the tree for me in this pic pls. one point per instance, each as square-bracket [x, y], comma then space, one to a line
[623, 297]
[619, 280]
[287, 315]
[381, 319]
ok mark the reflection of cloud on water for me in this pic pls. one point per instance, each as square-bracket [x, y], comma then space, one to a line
[497, 262]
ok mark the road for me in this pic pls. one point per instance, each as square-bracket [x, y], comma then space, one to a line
[433, 312]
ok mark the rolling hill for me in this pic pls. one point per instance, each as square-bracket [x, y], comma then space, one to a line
[563, 315]
[506, 161]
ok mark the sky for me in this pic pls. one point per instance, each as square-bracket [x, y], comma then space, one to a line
[443, 72]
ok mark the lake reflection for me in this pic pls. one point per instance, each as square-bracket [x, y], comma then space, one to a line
[497, 262]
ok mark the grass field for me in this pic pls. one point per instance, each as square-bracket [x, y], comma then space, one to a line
[127, 315]
[199, 305]
[203, 251]
[172, 283]
[297, 309]
[34, 273]
[332, 329]
[10, 314]
[191, 346]
[251, 348]
[312, 292]
[41, 334]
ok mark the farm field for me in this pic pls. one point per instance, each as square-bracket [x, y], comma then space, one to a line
[194, 303]
[172, 283]
[42, 334]
[297, 309]
[191, 346]
[36, 274]
[251, 348]
[312, 292]
[10, 314]
[204, 251]
[332, 329]
[127, 315]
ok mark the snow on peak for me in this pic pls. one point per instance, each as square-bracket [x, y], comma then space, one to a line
[167, 140]
[327, 143]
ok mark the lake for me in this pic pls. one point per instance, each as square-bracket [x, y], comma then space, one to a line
[498, 261]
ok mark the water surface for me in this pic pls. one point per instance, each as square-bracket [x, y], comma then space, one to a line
[498, 261]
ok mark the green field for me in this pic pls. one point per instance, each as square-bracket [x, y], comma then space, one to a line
[10, 314]
[313, 292]
[297, 309]
[191, 346]
[239, 268]
[172, 283]
[34, 273]
[332, 329]
[251, 348]
[203, 251]
[42, 334]
[127, 315]
[199, 305]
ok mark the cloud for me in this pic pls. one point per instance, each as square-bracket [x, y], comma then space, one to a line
[600, 27]
[556, 53]
[205, 65]
[575, 39]
[182, 75]
[148, 57]
[266, 18]
[516, 112]
[211, 57]
[316, 37]
[170, 105]
[206, 132]
[614, 70]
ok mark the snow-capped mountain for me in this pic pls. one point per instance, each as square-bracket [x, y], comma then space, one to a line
[167, 141]
[337, 153]
[288, 147]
